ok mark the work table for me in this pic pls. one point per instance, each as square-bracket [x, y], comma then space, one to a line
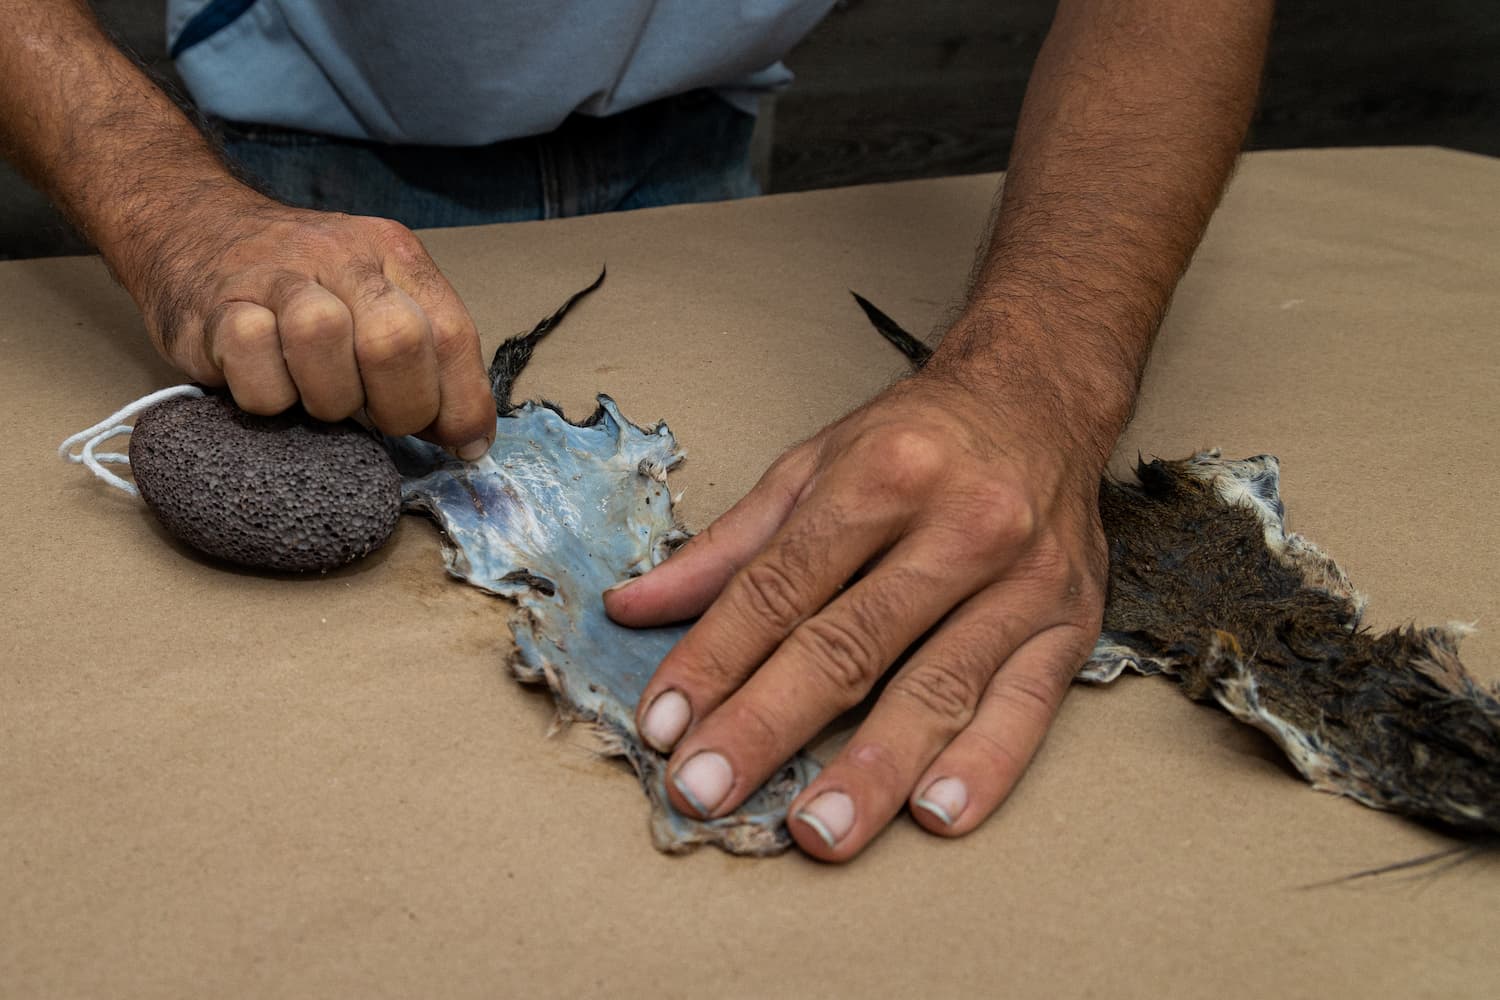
[220, 783]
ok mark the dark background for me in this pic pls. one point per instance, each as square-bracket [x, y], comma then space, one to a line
[894, 89]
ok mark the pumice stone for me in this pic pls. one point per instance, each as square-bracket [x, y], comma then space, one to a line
[286, 493]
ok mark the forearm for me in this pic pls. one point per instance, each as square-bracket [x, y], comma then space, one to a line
[1130, 127]
[88, 127]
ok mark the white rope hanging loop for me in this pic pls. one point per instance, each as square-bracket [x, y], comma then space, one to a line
[112, 427]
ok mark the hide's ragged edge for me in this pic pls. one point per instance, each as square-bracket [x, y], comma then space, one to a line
[552, 516]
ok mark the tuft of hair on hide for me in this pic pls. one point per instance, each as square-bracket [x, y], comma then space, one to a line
[1422, 867]
[511, 357]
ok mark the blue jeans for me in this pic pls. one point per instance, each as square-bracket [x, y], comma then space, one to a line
[694, 147]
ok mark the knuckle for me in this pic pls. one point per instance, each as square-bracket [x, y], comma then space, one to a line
[281, 284]
[313, 321]
[1052, 567]
[709, 662]
[845, 655]
[1003, 516]
[755, 726]
[385, 230]
[453, 337]
[906, 457]
[805, 554]
[399, 235]
[889, 595]
[1031, 698]
[238, 329]
[370, 286]
[393, 342]
[400, 245]
[410, 257]
[944, 691]
[1001, 756]
[771, 595]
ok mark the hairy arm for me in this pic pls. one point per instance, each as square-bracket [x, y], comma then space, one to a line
[955, 515]
[86, 126]
[1132, 121]
[280, 304]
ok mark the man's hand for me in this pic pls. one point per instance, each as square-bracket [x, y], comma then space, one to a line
[957, 511]
[278, 303]
[340, 312]
[961, 524]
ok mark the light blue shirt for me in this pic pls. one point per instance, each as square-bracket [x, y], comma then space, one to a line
[470, 72]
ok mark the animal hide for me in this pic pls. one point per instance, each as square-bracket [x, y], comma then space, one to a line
[1206, 585]
[554, 514]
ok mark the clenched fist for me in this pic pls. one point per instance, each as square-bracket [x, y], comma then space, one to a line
[340, 312]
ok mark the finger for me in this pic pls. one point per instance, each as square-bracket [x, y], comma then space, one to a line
[925, 706]
[827, 665]
[820, 547]
[393, 350]
[686, 584]
[317, 341]
[466, 409]
[242, 342]
[969, 779]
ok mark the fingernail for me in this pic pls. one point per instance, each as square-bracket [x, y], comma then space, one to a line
[704, 781]
[831, 815]
[666, 720]
[474, 450]
[945, 798]
[621, 585]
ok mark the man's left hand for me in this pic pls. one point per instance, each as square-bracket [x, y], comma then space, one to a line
[955, 522]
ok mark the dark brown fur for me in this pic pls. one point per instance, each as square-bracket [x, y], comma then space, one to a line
[1199, 588]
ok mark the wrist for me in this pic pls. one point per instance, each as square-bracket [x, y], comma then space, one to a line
[166, 218]
[1067, 377]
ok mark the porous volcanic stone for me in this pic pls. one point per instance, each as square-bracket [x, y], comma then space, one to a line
[281, 493]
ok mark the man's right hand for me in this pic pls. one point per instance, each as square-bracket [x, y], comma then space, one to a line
[340, 312]
[280, 304]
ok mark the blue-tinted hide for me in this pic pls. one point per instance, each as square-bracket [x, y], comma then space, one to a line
[552, 516]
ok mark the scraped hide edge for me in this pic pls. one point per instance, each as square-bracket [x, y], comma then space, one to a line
[552, 516]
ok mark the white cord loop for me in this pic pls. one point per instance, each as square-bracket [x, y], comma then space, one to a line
[111, 427]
